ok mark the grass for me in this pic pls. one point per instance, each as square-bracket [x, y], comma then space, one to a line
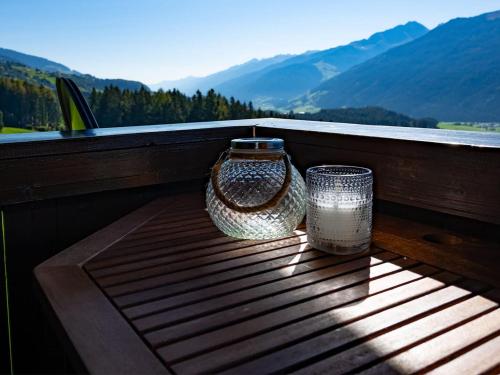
[11, 130]
[467, 127]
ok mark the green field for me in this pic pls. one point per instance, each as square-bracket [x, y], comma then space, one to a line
[10, 130]
[467, 127]
[35, 76]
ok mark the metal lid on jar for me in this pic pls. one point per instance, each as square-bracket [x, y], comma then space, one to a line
[256, 144]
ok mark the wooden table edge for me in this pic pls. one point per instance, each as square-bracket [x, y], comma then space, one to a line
[101, 337]
[104, 341]
[82, 251]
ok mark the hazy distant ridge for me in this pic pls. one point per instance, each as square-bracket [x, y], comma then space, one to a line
[189, 85]
[274, 81]
[278, 83]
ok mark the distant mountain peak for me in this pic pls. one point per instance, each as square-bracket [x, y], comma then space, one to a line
[275, 85]
[450, 73]
[410, 30]
[492, 15]
[189, 85]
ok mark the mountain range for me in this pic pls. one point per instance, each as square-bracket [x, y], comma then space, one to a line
[451, 73]
[271, 83]
[41, 71]
[190, 85]
[279, 83]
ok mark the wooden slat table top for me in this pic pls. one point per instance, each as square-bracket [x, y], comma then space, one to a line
[163, 291]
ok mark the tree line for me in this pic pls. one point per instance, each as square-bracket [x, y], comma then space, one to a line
[115, 107]
[368, 116]
[27, 106]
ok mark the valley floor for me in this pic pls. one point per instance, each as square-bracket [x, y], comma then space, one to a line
[477, 127]
[11, 130]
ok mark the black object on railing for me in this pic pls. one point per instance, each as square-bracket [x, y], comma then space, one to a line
[75, 110]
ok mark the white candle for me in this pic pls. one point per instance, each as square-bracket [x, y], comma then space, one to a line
[343, 225]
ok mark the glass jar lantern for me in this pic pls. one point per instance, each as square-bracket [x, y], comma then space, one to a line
[254, 191]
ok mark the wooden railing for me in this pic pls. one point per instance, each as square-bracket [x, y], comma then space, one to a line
[451, 172]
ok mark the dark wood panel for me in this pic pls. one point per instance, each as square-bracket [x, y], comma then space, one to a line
[67, 290]
[265, 286]
[18, 146]
[309, 261]
[96, 330]
[231, 258]
[470, 256]
[168, 258]
[432, 169]
[267, 333]
[465, 323]
[36, 231]
[443, 347]
[164, 228]
[310, 337]
[161, 237]
[247, 257]
[203, 323]
[212, 279]
[44, 177]
[459, 180]
[319, 351]
[148, 248]
[481, 360]
[203, 246]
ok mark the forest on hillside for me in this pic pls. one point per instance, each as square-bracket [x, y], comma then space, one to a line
[368, 116]
[30, 106]
[25, 105]
[116, 107]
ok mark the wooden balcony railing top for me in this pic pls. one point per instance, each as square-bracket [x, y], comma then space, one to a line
[481, 139]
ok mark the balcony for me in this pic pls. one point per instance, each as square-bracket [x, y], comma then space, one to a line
[437, 215]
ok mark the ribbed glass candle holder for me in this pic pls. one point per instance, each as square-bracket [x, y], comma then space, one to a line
[339, 208]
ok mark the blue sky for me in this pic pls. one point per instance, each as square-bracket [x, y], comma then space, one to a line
[154, 40]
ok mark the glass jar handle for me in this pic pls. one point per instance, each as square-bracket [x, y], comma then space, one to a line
[271, 203]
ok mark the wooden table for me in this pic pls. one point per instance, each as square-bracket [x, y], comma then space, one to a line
[163, 291]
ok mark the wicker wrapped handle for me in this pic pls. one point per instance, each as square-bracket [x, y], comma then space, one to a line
[271, 203]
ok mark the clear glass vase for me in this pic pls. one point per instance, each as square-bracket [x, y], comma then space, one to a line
[255, 192]
[339, 208]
